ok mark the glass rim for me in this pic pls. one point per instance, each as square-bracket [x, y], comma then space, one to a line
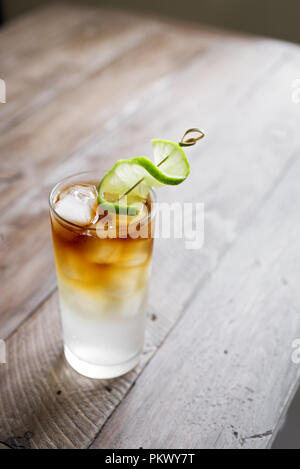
[150, 215]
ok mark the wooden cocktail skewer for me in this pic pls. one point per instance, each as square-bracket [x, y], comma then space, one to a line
[183, 143]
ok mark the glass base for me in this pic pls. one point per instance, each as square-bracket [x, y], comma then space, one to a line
[97, 371]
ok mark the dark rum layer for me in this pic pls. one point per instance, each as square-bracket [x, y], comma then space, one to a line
[85, 260]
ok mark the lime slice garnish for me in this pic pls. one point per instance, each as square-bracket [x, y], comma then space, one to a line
[126, 186]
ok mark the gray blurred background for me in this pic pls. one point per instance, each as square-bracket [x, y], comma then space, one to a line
[273, 18]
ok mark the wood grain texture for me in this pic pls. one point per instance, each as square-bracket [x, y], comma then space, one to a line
[66, 56]
[226, 371]
[135, 117]
[29, 156]
[171, 77]
[44, 396]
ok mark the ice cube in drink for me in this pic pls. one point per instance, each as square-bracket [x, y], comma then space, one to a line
[102, 280]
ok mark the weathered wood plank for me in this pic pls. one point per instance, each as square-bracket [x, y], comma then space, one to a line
[21, 32]
[160, 96]
[223, 232]
[226, 368]
[33, 151]
[89, 41]
[33, 157]
[61, 408]
[32, 206]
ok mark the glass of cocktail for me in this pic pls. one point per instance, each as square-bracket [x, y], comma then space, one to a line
[103, 263]
[103, 239]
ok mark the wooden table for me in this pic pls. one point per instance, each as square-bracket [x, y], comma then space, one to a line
[86, 86]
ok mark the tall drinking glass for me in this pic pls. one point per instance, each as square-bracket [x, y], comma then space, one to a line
[103, 271]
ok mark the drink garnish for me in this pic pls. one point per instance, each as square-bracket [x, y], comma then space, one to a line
[126, 186]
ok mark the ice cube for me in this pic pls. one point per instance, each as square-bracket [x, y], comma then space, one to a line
[103, 251]
[124, 282]
[70, 265]
[77, 204]
[136, 252]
